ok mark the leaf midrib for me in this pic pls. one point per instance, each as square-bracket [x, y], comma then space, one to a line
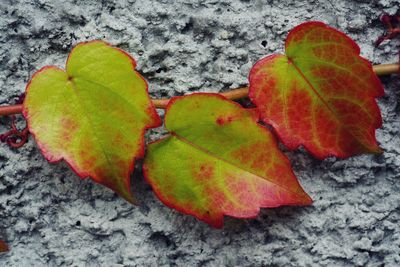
[331, 65]
[319, 95]
[94, 131]
[205, 151]
[111, 91]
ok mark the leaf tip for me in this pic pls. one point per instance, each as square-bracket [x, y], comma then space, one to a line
[132, 200]
[377, 150]
[307, 201]
[127, 195]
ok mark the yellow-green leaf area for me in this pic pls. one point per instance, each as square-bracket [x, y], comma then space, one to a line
[93, 115]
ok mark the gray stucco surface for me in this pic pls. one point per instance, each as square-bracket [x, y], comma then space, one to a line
[50, 217]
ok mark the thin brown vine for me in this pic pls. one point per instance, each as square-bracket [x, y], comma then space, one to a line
[234, 94]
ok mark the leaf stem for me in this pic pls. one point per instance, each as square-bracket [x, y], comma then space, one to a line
[10, 110]
[382, 69]
[386, 69]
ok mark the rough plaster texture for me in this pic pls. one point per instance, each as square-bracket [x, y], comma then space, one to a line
[50, 217]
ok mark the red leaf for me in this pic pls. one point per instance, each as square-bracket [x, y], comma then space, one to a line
[321, 94]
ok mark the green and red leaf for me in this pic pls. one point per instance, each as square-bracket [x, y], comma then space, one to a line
[218, 161]
[321, 94]
[93, 115]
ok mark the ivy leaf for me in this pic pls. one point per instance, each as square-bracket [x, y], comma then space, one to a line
[93, 115]
[321, 94]
[3, 246]
[218, 161]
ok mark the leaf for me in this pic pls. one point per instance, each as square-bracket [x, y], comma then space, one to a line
[93, 115]
[321, 94]
[3, 246]
[218, 161]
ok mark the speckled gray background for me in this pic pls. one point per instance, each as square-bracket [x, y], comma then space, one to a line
[50, 217]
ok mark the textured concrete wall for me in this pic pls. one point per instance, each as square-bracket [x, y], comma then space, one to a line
[52, 218]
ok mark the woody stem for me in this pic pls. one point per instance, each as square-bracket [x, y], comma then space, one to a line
[234, 94]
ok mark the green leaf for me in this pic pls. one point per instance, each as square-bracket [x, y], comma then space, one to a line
[218, 161]
[93, 115]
